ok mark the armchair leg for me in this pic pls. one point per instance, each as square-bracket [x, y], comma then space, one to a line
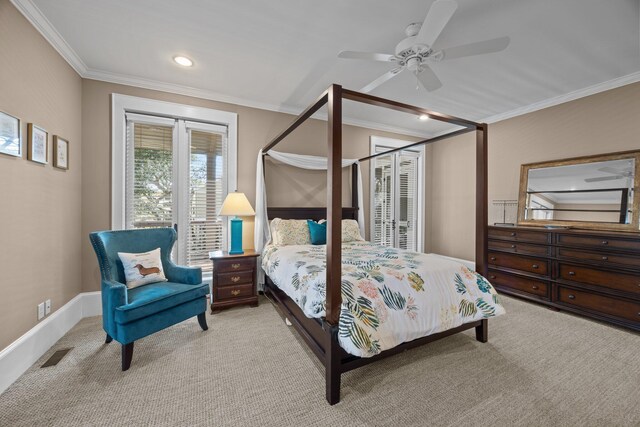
[108, 340]
[127, 355]
[202, 320]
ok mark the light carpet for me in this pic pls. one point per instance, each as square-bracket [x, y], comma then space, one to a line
[539, 367]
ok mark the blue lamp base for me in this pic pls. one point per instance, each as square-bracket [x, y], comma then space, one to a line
[236, 237]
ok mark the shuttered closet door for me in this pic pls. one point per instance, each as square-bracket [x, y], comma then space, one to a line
[407, 212]
[383, 206]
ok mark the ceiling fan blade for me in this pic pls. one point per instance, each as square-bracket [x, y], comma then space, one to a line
[428, 79]
[477, 48]
[437, 18]
[349, 54]
[603, 178]
[383, 78]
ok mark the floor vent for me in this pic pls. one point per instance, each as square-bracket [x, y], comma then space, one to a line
[56, 357]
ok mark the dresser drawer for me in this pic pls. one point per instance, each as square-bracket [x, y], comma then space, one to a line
[607, 279]
[519, 235]
[231, 265]
[520, 248]
[625, 309]
[231, 279]
[600, 258]
[236, 291]
[605, 242]
[519, 283]
[516, 262]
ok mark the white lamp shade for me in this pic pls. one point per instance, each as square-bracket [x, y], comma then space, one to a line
[236, 204]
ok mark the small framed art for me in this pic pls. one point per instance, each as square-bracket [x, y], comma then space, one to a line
[37, 144]
[60, 153]
[10, 141]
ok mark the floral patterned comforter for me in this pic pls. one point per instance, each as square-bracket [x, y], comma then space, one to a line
[389, 296]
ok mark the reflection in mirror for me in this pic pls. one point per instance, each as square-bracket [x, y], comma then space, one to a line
[600, 192]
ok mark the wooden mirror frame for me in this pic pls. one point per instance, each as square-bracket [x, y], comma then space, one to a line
[634, 226]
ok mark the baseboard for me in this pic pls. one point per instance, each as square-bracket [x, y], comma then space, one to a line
[26, 350]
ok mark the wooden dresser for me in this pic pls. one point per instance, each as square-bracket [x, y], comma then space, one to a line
[593, 273]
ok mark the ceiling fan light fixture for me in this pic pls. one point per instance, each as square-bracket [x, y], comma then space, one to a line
[183, 60]
[423, 117]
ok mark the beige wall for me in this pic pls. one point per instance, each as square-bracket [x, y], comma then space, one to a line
[39, 205]
[286, 185]
[601, 123]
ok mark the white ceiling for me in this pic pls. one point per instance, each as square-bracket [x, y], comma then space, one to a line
[282, 54]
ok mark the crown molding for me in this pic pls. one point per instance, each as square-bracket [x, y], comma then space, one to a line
[567, 97]
[42, 24]
[44, 27]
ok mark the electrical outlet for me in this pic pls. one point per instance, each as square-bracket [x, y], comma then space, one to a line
[47, 307]
[40, 311]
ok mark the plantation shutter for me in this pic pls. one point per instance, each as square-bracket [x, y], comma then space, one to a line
[149, 178]
[408, 200]
[383, 205]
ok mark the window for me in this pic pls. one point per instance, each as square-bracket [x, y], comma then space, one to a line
[396, 195]
[173, 166]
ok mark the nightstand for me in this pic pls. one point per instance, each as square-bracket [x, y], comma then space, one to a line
[234, 279]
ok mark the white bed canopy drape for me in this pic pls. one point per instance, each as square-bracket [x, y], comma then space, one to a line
[262, 233]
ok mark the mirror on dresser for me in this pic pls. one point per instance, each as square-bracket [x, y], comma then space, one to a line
[593, 192]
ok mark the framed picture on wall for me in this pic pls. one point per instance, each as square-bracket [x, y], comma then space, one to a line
[10, 141]
[37, 144]
[60, 152]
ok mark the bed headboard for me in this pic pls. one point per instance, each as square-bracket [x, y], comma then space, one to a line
[315, 214]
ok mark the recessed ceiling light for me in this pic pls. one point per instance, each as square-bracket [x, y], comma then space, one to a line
[183, 60]
[423, 117]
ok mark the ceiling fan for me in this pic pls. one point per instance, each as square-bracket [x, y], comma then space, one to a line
[614, 174]
[414, 52]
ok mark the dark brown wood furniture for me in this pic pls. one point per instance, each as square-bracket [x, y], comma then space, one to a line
[321, 336]
[592, 273]
[234, 279]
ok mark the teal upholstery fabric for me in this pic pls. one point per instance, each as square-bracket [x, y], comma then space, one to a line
[318, 232]
[131, 314]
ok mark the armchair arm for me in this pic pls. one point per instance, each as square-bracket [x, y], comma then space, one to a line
[187, 275]
[114, 294]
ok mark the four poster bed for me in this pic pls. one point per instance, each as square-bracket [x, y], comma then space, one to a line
[346, 276]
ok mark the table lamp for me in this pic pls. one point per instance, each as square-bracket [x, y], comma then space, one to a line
[236, 204]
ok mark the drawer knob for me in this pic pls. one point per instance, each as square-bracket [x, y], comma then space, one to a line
[605, 258]
[493, 277]
[513, 234]
[235, 292]
[235, 279]
[604, 242]
[513, 246]
[235, 266]
[493, 258]
[572, 273]
[534, 287]
[535, 266]
[571, 296]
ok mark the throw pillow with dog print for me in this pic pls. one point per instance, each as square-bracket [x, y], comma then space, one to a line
[141, 269]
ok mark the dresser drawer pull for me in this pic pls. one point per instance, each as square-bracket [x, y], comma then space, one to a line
[534, 287]
[235, 279]
[235, 292]
[493, 277]
[513, 234]
[604, 242]
[605, 258]
[572, 273]
[513, 246]
[492, 258]
[535, 266]
[571, 296]
[235, 266]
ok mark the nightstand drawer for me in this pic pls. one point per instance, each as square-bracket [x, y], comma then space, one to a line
[235, 291]
[232, 279]
[231, 265]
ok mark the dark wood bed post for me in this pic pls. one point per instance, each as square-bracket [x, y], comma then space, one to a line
[334, 244]
[482, 216]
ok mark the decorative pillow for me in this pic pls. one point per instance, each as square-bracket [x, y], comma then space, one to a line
[318, 232]
[290, 232]
[141, 269]
[350, 230]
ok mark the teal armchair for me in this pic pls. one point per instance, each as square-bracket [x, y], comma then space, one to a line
[131, 314]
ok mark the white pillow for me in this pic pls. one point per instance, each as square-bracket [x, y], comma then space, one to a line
[350, 230]
[141, 269]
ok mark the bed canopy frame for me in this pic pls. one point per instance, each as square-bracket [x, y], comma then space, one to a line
[322, 334]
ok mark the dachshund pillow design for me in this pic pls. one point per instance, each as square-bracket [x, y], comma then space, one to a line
[140, 269]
